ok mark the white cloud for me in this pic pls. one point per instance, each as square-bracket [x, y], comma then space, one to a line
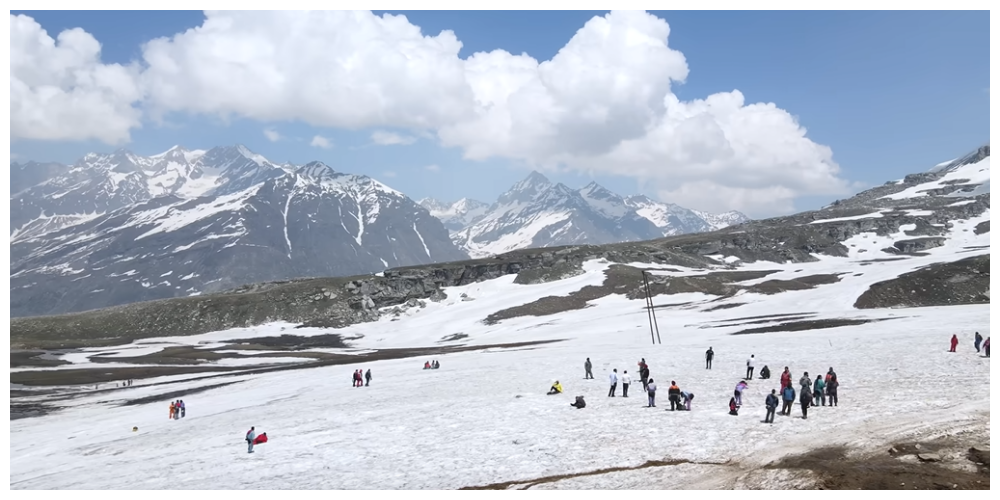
[603, 104]
[390, 174]
[432, 168]
[272, 135]
[321, 142]
[383, 138]
[59, 90]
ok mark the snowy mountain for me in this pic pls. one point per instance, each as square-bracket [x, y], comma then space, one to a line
[120, 228]
[872, 287]
[537, 213]
[456, 215]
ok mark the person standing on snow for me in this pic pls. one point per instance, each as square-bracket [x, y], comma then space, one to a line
[787, 399]
[626, 380]
[613, 379]
[786, 378]
[986, 347]
[709, 356]
[738, 393]
[954, 343]
[805, 381]
[251, 435]
[771, 403]
[173, 408]
[651, 393]
[368, 377]
[819, 391]
[750, 368]
[831, 387]
[805, 399]
[183, 409]
[644, 376]
[587, 366]
[979, 340]
[674, 395]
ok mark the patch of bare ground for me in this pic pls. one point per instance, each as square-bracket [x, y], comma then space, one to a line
[721, 307]
[910, 466]
[886, 259]
[627, 280]
[772, 287]
[982, 227]
[170, 396]
[526, 484]
[818, 324]
[89, 376]
[20, 358]
[453, 337]
[966, 281]
[764, 316]
[759, 321]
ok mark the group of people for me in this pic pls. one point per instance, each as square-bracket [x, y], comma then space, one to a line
[979, 344]
[811, 393]
[362, 379]
[177, 409]
[431, 365]
[126, 383]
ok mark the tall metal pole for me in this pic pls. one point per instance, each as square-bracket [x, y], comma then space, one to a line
[651, 312]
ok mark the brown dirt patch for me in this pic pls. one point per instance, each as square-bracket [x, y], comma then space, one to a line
[818, 324]
[526, 484]
[837, 471]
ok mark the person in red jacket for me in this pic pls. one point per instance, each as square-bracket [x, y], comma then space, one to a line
[261, 439]
[786, 378]
[954, 342]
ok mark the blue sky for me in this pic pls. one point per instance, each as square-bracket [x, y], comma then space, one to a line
[890, 92]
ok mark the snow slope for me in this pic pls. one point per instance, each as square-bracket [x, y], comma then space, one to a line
[484, 417]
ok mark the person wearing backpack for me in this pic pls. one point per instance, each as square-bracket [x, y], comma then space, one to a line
[819, 394]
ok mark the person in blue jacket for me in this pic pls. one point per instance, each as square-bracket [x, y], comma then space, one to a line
[787, 399]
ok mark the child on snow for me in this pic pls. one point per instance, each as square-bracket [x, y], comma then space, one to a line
[651, 392]
[738, 393]
[734, 408]
[579, 404]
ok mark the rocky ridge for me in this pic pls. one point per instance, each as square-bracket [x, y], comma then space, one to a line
[337, 302]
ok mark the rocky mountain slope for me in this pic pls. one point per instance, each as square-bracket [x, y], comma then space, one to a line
[121, 228]
[903, 222]
[536, 213]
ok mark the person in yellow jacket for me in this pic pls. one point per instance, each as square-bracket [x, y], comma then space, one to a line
[556, 388]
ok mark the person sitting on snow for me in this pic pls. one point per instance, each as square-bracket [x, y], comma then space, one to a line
[733, 407]
[427, 365]
[556, 388]
[765, 373]
[579, 404]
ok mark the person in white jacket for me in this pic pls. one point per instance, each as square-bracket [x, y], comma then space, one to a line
[750, 368]
[613, 378]
[626, 380]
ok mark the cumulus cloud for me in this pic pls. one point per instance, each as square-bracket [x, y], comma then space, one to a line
[432, 168]
[272, 135]
[383, 138]
[60, 90]
[603, 104]
[321, 142]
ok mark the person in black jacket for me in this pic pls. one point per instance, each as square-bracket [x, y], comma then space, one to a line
[579, 404]
[644, 376]
[709, 355]
[771, 403]
[674, 395]
[806, 400]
